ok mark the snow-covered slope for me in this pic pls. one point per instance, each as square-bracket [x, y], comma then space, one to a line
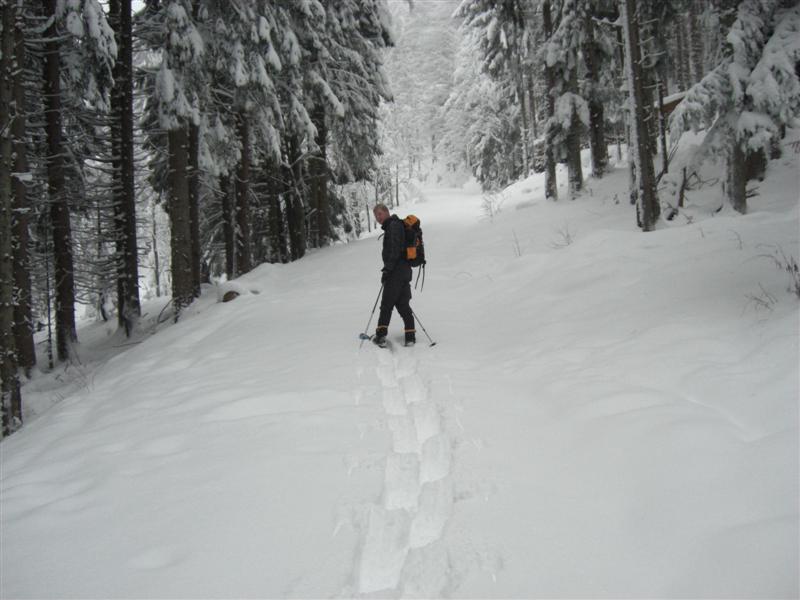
[606, 413]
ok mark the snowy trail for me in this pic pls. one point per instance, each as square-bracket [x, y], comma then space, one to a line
[401, 549]
[604, 417]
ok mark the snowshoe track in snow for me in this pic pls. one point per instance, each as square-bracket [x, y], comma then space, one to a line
[402, 552]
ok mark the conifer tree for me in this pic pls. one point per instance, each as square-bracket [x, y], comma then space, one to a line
[647, 206]
[127, 260]
[20, 235]
[10, 400]
[750, 95]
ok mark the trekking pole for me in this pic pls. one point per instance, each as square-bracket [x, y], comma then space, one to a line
[365, 335]
[423, 327]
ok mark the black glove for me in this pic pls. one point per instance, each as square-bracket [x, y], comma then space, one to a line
[384, 275]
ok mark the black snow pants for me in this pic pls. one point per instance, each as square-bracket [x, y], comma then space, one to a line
[396, 294]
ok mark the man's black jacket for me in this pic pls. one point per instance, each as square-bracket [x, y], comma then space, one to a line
[394, 244]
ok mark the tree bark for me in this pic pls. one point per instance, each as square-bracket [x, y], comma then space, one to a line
[550, 183]
[243, 255]
[647, 208]
[574, 168]
[181, 246]
[277, 236]
[294, 202]
[9, 384]
[597, 134]
[194, 189]
[66, 333]
[318, 171]
[697, 41]
[128, 305]
[736, 188]
[23, 317]
[686, 50]
[680, 43]
[662, 127]
[154, 241]
[523, 109]
[228, 226]
[194, 204]
[532, 105]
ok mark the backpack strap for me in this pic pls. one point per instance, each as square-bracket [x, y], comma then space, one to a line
[420, 272]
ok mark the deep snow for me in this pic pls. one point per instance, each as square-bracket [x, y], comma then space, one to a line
[606, 413]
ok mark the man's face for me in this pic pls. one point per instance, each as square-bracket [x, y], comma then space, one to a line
[381, 215]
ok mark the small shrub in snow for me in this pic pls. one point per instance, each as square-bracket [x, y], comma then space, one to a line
[515, 245]
[788, 264]
[492, 204]
[565, 238]
[763, 300]
[738, 238]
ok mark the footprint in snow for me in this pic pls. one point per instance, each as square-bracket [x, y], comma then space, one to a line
[386, 375]
[404, 434]
[426, 573]
[393, 402]
[436, 456]
[406, 366]
[414, 389]
[401, 481]
[426, 420]
[384, 551]
[435, 509]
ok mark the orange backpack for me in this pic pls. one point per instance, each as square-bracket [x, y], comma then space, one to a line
[415, 248]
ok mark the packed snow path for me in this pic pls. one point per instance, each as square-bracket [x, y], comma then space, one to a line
[606, 413]
[402, 550]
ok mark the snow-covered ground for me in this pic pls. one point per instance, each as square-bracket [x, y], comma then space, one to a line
[606, 413]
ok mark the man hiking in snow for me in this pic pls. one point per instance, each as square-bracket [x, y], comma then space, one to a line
[395, 277]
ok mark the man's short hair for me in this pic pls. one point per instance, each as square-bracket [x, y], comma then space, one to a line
[382, 207]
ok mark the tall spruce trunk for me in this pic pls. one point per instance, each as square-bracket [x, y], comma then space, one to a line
[277, 235]
[318, 172]
[574, 168]
[181, 246]
[9, 381]
[736, 188]
[532, 105]
[23, 315]
[154, 245]
[128, 305]
[685, 55]
[64, 275]
[243, 254]
[294, 202]
[194, 204]
[680, 44]
[550, 183]
[650, 106]
[662, 126]
[647, 207]
[597, 131]
[696, 38]
[228, 225]
[524, 134]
